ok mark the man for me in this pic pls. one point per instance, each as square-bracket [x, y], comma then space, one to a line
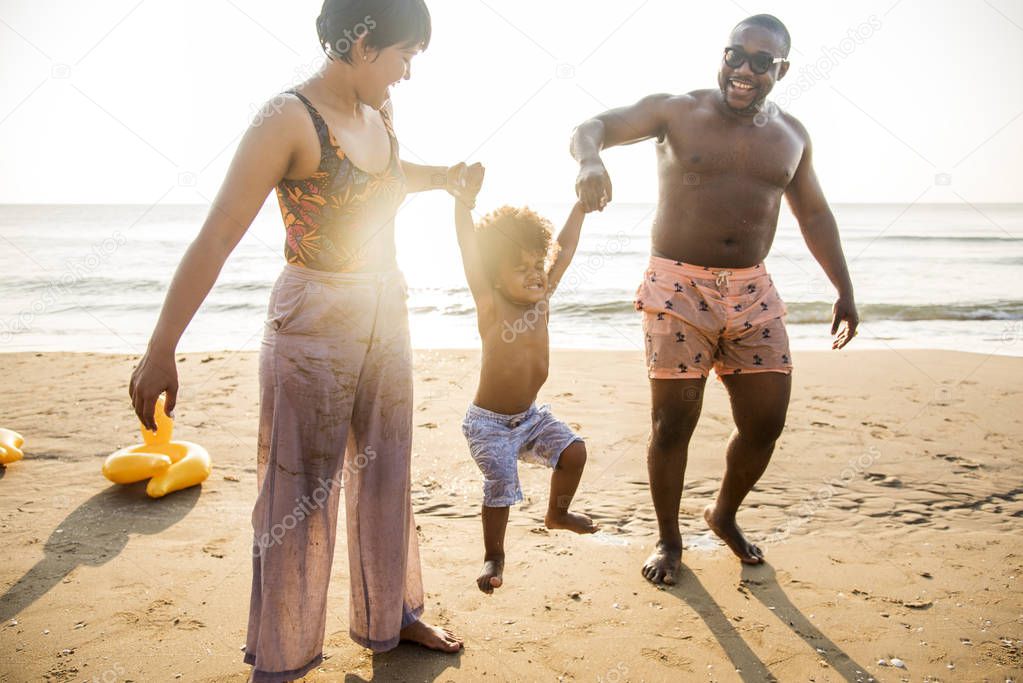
[726, 158]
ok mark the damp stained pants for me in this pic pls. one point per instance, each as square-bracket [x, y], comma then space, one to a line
[335, 376]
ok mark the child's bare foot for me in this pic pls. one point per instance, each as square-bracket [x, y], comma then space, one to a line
[663, 564]
[729, 532]
[431, 637]
[573, 521]
[492, 575]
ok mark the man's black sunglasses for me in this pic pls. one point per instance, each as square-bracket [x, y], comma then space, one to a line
[759, 63]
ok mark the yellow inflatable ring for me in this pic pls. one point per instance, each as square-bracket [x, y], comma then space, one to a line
[169, 465]
[10, 446]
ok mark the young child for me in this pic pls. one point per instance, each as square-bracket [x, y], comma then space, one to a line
[513, 269]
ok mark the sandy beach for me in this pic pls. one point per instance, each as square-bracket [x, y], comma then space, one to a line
[890, 517]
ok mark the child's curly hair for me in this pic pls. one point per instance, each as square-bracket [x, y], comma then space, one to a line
[508, 231]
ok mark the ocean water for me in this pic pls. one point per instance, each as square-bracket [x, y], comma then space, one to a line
[93, 278]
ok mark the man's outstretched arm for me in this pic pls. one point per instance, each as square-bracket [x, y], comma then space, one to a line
[820, 231]
[623, 126]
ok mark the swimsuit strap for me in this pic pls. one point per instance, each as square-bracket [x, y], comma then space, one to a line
[386, 116]
[322, 131]
[393, 138]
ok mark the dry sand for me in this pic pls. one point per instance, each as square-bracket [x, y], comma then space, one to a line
[891, 520]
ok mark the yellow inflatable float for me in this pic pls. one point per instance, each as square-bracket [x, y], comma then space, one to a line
[10, 446]
[169, 465]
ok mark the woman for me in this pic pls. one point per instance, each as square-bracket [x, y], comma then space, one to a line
[335, 363]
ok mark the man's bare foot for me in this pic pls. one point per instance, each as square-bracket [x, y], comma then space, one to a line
[573, 521]
[729, 532]
[663, 564]
[492, 575]
[431, 637]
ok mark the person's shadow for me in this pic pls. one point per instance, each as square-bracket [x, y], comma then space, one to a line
[94, 533]
[763, 584]
[409, 662]
[748, 665]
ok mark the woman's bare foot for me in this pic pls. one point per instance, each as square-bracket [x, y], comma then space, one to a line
[431, 637]
[573, 521]
[663, 564]
[492, 575]
[729, 532]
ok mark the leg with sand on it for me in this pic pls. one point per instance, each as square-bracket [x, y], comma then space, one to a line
[495, 521]
[675, 410]
[759, 405]
[564, 482]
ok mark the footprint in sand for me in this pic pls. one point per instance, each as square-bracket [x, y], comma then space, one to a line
[961, 462]
[882, 479]
[668, 658]
[159, 614]
[215, 548]
[553, 550]
[912, 517]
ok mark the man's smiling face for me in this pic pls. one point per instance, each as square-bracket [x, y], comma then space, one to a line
[744, 90]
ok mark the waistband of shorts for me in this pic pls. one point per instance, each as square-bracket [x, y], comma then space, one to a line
[667, 265]
[325, 277]
[478, 413]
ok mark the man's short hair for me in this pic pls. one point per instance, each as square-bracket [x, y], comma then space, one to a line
[773, 24]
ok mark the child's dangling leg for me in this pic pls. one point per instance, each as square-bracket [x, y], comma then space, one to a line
[564, 481]
[495, 521]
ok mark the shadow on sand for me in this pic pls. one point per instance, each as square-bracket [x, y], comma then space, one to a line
[409, 662]
[762, 582]
[93, 534]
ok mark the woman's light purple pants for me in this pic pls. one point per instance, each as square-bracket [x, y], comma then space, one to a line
[335, 376]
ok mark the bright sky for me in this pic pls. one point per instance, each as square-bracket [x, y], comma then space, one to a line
[133, 102]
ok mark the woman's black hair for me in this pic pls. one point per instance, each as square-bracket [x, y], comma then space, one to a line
[383, 22]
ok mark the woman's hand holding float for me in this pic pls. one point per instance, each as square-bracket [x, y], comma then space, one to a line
[155, 374]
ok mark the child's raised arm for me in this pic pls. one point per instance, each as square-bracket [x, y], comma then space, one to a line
[472, 261]
[568, 240]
